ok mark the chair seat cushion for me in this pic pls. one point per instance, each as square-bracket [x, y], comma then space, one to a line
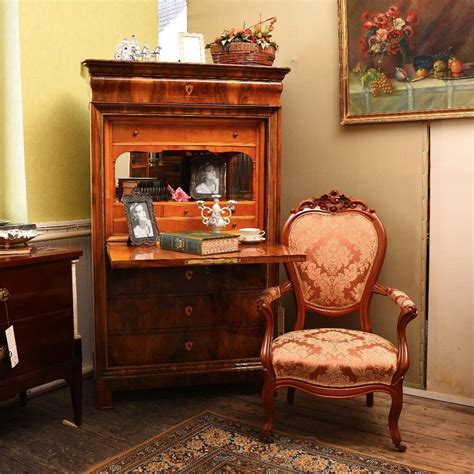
[334, 357]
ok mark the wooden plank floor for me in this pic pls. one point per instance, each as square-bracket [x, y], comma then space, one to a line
[439, 436]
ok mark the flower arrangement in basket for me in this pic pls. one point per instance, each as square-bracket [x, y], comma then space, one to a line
[251, 45]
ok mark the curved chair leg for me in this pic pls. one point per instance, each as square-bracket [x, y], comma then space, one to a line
[370, 399]
[267, 399]
[395, 410]
[290, 395]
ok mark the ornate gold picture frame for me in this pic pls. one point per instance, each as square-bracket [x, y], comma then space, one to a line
[404, 60]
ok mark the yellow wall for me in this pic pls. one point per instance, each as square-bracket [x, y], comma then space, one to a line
[2, 105]
[12, 169]
[55, 37]
[381, 164]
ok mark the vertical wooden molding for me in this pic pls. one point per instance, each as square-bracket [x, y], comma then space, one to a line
[74, 299]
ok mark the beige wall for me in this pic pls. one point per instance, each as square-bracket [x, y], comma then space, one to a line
[382, 164]
[55, 37]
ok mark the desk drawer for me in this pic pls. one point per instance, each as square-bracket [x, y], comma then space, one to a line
[223, 343]
[41, 342]
[190, 209]
[175, 224]
[181, 133]
[179, 280]
[36, 290]
[127, 315]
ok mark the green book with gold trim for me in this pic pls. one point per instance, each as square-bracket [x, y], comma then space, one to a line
[199, 242]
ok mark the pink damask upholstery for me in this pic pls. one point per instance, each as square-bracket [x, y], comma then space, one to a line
[338, 263]
[334, 357]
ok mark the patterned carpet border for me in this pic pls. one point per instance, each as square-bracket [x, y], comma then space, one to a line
[214, 443]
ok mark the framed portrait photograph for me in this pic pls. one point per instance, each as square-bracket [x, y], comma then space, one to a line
[208, 177]
[191, 48]
[405, 60]
[142, 228]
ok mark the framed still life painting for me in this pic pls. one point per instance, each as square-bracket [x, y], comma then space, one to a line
[406, 60]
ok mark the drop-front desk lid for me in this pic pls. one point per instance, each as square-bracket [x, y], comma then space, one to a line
[123, 256]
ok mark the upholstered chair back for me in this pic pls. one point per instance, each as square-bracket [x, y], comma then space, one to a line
[344, 249]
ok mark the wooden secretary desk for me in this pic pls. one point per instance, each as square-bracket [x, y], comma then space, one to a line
[162, 317]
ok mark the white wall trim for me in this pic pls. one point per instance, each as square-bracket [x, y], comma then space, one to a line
[86, 371]
[442, 397]
[63, 230]
[64, 225]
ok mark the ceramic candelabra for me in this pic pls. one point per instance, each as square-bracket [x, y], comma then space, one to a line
[214, 217]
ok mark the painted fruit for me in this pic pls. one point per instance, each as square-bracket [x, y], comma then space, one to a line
[456, 66]
[421, 72]
[440, 65]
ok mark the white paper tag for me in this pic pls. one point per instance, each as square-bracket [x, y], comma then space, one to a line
[11, 343]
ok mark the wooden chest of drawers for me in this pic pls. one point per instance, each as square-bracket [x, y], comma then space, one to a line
[183, 315]
[164, 318]
[40, 307]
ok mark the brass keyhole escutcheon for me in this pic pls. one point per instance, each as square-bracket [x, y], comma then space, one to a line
[135, 133]
[4, 294]
[188, 310]
[188, 274]
[188, 345]
[189, 89]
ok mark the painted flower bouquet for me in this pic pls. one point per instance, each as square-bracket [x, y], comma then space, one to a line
[252, 45]
[387, 35]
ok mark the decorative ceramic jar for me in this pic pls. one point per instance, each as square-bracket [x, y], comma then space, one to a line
[387, 63]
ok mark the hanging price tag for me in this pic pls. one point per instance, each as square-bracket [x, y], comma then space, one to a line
[11, 343]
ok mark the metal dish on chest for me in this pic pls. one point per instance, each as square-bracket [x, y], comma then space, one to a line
[17, 234]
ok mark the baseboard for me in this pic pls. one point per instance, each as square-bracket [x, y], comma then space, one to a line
[442, 397]
[86, 372]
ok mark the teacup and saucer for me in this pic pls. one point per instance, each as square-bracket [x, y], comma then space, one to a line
[250, 235]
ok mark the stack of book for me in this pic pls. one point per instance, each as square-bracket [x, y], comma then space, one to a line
[199, 242]
[15, 250]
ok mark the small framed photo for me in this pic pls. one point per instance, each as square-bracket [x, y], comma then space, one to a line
[207, 177]
[141, 222]
[191, 48]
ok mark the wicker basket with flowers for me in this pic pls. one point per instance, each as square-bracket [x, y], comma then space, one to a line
[251, 45]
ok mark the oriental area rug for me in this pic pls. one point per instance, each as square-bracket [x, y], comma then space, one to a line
[213, 443]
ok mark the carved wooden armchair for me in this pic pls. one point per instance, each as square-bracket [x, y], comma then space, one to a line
[345, 243]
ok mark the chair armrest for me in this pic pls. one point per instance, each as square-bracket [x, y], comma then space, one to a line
[408, 312]
[264, 307]
[402, 300]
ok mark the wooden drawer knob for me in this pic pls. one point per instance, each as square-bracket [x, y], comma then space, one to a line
[188, 310]
[188, 274]
[4, 294]
[135, 133]
[185, 212]
[234, 225]
[188, 345]
[4, 352]
[235, 134]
